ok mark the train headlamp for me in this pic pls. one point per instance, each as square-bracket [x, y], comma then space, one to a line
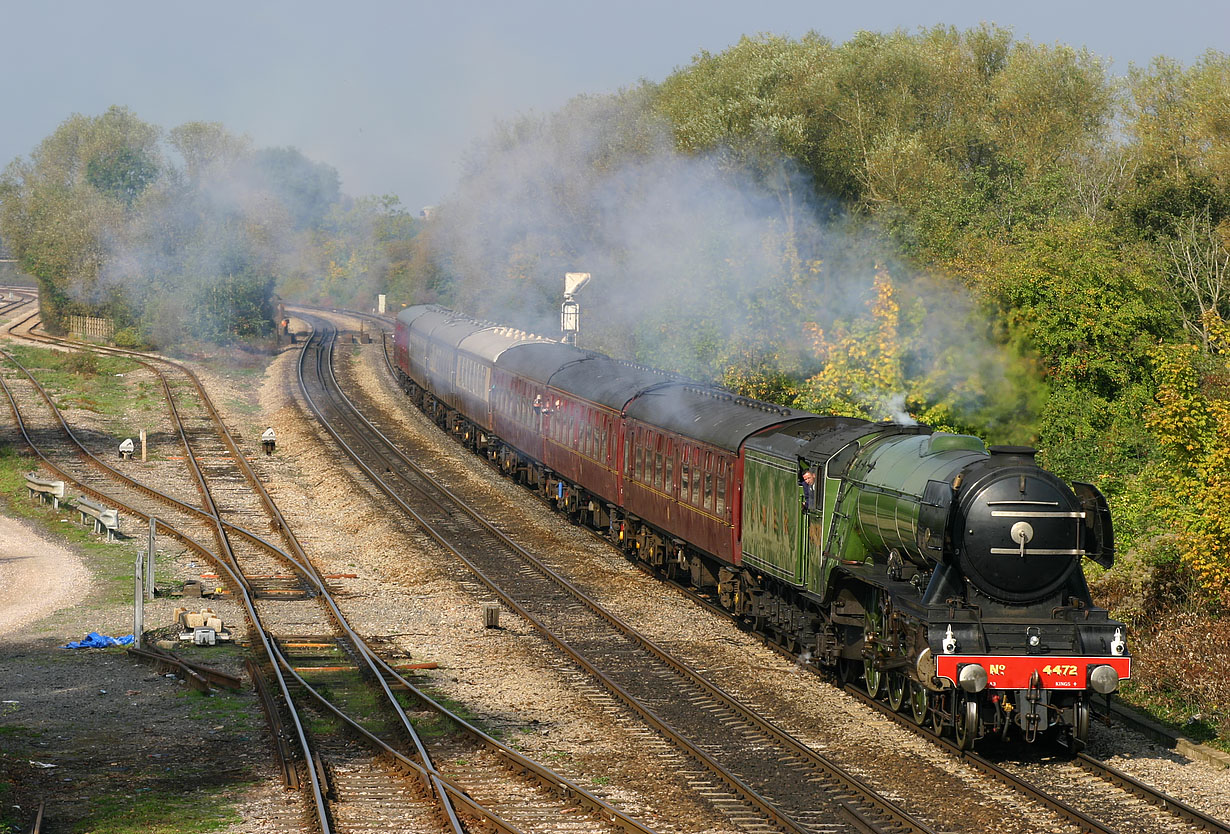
[1117, 646]
[1104, 679]
[973, 678]
[950, 641]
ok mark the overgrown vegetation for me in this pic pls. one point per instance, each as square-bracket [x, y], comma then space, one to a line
[976, 231]
[963, 227]
[183, 236]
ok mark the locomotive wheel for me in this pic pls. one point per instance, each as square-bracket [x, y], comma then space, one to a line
[936, 711]
[965, 721]
[872, 677]
[1080, 725]
[918, 703]
[897, 685]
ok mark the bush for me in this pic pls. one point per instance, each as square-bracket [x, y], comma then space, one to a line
[1185, 664]
[130, 338]
[81, 363]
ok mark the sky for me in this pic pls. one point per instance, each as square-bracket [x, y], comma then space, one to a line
[392, 94]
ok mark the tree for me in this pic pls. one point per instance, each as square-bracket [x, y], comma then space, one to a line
[1191, 421]
[61, 209]
[1200, 274]
[206, 146]
[307, 190]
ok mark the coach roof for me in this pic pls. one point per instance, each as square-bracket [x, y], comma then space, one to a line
[490, 342]
[408, 315]
[609, 382]
[711, 415]
[540, 360]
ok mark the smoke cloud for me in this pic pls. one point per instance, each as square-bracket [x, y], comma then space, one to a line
[700, 261]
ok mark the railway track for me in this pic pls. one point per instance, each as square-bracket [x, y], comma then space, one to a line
[353, 771]
[1087, 792]
[249, 553]
[1090, 793]
[351, 789]
[758, 767]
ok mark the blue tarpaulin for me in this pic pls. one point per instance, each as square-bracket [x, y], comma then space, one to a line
[94, 640]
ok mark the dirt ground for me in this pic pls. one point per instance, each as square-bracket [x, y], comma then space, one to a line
[37, 577]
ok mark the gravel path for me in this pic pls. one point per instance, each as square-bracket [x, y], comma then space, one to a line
[37, 576]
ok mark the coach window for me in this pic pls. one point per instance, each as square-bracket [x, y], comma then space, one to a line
[657, 468]
[709, 481]
[697, 475]
[721, 489]
[669, 485]
[685, 480]
[640, 463]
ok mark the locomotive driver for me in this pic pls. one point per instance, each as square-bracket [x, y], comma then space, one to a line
[809, 489]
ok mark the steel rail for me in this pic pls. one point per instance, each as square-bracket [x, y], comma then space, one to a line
[1131, 784]
[1064, 809]
[169, 500]
[731, 780]
[318, 796]
[543, 774]
[36, 827]
[455, 791]
[447, 792]
[300, 562]
[1094, 766]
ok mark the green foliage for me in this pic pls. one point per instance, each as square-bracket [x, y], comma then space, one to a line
[59, 209]
[306, 190]
[110, 227]
[939, 133]
[236, 307]
[1191, 421]
[1086, 306]
[82, 363]
[122, 173]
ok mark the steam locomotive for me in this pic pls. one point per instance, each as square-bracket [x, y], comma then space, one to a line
[943, 575]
